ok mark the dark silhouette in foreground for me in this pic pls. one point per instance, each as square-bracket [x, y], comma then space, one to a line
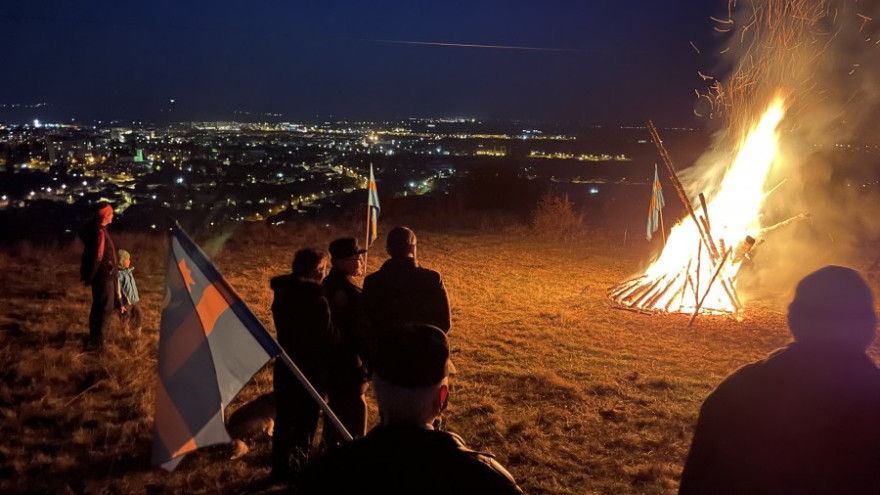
[302, 322]
[347, 381]
[405, 454]
[402, 292]
[807, 418]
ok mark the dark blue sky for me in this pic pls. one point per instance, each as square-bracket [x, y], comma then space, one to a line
[624, 61]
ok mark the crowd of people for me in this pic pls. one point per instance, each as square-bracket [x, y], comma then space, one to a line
[803, 420]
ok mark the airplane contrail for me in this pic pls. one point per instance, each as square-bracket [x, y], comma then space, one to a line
[474, 45]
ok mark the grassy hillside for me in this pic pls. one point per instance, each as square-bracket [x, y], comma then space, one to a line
[571, 395]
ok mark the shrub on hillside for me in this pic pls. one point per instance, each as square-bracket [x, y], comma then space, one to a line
[556, 217]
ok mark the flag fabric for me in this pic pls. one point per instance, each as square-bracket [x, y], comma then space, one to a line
[372, 209]
[657, 204]
[210, 346]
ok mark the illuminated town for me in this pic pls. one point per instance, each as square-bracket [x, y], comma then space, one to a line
[222, 172]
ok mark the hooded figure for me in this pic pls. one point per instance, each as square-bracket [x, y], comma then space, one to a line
[805, 419]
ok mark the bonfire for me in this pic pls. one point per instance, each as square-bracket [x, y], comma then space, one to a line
[780, 47]
[697, 268]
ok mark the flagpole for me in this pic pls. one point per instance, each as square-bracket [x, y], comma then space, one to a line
[369, 218]
[328, 413]
[662, 229]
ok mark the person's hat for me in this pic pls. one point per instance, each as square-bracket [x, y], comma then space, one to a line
[412, 356]
[121, 256]
[345, 248]
[833, 303]
[399, 241]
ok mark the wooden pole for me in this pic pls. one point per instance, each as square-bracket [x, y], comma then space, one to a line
[673, 176]
[709, 288]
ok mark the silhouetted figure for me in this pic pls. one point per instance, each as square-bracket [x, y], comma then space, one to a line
[401, 291]
[98, 270]
[807, 418]
[347, 381]
[128, 295]
[405, 454]
[304, 329]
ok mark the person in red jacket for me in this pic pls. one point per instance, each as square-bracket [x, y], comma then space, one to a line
[98, 270]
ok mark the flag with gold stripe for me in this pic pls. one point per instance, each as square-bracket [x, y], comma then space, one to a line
[656, 205]
[210, 346]
[372, 209]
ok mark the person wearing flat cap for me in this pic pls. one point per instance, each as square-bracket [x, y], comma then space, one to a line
[401, 291]
[405, 454]
[807, 418]
[347, 380]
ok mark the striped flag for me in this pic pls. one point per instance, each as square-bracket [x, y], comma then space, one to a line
[372, 209]
[210, 346]
[657, 204]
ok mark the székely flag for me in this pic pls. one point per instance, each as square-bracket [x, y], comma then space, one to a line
[210, 346]
[372, 209]
[657, 204]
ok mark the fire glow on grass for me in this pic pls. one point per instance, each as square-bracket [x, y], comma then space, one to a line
[685, 267]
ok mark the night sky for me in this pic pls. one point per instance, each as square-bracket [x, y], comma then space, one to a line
[605, 62]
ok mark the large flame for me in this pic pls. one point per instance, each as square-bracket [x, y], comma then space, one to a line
[734, 213]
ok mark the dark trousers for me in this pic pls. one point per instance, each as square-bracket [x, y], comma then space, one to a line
[349, 404]
[296, 419]
[103, 297]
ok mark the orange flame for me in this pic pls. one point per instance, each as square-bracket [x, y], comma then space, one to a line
[734, 213]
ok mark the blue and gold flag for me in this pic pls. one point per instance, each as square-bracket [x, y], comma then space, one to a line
[657, 204]
[210, 346]
[372, 209]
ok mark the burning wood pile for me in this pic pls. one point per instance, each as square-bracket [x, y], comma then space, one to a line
[696, 271]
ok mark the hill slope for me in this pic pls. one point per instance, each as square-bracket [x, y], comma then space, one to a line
[571, 395]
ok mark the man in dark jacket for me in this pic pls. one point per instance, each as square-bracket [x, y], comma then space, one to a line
[348, 379]
[302, 322]
[804, 420]
[405, 454]
[401, 291]
[98, 270]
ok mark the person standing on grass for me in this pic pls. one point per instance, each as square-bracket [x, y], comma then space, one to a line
[807, 418]
[302, 322]
[405, 454]
[128, 292]
[98, 270]
[402, 292]
[347, 381]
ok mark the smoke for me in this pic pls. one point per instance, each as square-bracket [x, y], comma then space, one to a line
[822, 56]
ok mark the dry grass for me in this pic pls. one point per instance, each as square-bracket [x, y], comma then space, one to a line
[571, 395]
